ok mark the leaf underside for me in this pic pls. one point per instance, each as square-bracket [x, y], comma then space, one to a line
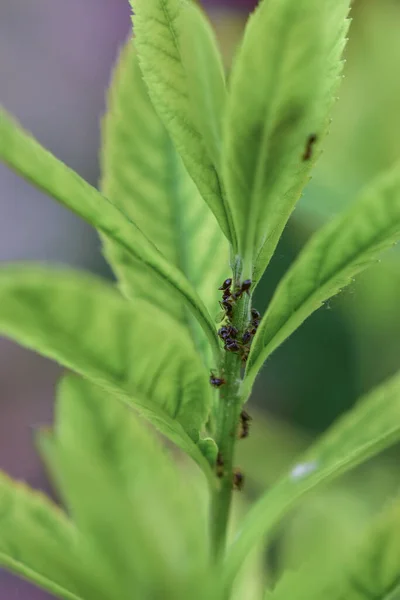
[133, 351]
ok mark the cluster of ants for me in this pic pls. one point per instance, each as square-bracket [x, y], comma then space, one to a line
[228, 333]
[232, 343]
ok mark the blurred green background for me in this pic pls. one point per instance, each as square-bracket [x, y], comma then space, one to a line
[55, 60]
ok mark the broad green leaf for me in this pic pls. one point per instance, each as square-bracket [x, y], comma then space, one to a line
[282, 90]
[28, 158]
[175, 45]
[125, 494]
[133, 351]
[144, 176]
[339, 251]
[38, 542]
[370, 427]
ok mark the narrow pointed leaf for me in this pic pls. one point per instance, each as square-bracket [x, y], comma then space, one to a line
[339, 251]
[161, 37]
[113, 474]
[282, 88]
[144, 176]
[37, 540]
[83, 323]
[370, 427]
[28, 158]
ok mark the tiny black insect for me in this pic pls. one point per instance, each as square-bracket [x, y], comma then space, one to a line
[215, 381]
[312, 139]
[255, 315]
[247, 336]
[227, 306]
[219, 465]
[224, 332]
[228, 331]
[246, 285]
[238, 480]
[244, 429]
[226, 285]
[232, 345]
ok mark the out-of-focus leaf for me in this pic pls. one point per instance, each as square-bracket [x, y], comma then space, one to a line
[133, 351]
[282, 90]
[38, 542]
[370, 427]
[339, 251]
[144, 176]
[190, 110]
[28, 158]
[374, 571]
[127, 497]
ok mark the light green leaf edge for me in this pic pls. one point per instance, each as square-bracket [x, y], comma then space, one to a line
[370, 427]
[28, 158]
[330, 260]
[282, 89]
[160, 28]
[36, 324]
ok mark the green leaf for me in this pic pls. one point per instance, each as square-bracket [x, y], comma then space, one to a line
[144, 176]
[25, 156]
[37, 541]
[175, 45]
[374, 571]
[135, 352]
[205, 77]
[127, 497]
[372, 426]
[339, 251]
[282, 91]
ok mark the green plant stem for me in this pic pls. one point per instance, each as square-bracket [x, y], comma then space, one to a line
[227, 426]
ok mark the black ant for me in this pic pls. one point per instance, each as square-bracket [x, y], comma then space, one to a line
[227, 306]
[232, 345]
[215, 381]
[247, 336]
[245, 419]
[228, 331]
[245, 287]
[219, 465]
[255, 319]
[308, 152]
[226, 285]
[238, 480]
